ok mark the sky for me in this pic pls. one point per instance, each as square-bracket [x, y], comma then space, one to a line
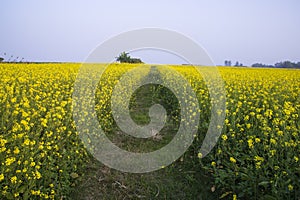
[248, 31]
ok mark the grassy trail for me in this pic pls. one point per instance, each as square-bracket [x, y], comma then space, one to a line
[181, 180]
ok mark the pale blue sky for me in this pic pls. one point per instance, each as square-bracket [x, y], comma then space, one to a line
[245, 30]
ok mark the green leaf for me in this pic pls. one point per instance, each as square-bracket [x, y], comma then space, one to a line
[268, 197]
[244, 176]
[22, 188]
[74, 175]
[264, 183]
[225, 194]
[26, 195]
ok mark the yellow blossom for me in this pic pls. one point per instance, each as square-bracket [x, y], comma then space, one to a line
[13, 179]
[233, 160]
[224, 137]
[1, 177]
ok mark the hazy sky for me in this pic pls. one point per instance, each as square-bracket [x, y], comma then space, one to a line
[245, 30]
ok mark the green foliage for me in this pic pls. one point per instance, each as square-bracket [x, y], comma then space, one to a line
[284, 64]
[287, 64]
[125, 58]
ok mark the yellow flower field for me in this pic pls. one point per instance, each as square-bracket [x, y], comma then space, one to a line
[257, 154]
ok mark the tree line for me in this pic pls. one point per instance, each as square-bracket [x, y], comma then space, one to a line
[284, 64]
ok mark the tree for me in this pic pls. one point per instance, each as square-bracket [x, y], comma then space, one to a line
[135, 60]
[286, 64]
[1, 59]
[125, 58]
[227, 63]
[260, 65]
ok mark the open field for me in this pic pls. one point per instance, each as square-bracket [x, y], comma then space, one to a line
[42, 156]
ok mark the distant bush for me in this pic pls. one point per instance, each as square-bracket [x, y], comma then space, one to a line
[125, 58]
